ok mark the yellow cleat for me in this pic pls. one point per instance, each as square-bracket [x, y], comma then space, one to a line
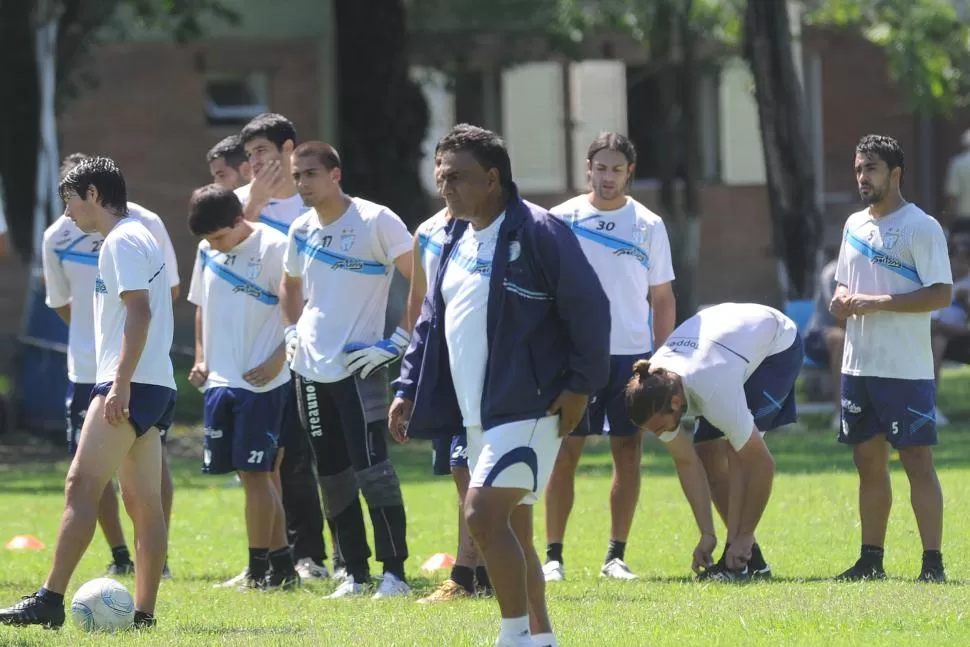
[448, 590]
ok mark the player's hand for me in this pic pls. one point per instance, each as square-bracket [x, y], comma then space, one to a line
[839, 307]
[863, 304]
[267, 371]
[265, 183]
[198, 374]
[570, 407]
[738, 554]
[364, 359]
[398, 417]
[704, 553]
[292, 340]
[116, 404]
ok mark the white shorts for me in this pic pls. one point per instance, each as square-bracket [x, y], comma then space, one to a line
[515, 455]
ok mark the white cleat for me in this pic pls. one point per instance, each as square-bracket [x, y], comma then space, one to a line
[234, 582]
[348, 589]
[553, 571]
[525, 640]
[391, 587]
[310, 571]
[617, 569]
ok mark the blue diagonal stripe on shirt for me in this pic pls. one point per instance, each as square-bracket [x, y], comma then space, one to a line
[238, 282]
[428, 243]
[883, 260]
[339, 261]
[82, 258]
[613, 243]
[279, 226]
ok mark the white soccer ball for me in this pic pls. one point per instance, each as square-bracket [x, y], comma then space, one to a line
[102, 605]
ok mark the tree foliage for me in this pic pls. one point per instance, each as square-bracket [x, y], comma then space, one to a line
[82, 24]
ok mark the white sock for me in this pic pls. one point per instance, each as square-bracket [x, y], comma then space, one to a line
[515, 627]
[545, 640]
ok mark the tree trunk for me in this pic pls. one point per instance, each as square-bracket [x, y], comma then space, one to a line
[382, 112]
[796, 220]
[690, 214]
[19, 121]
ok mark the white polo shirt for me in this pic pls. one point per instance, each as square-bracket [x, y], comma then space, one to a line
[431, 239]
[130, 259]
[70, 259]
[238, 291]
[629, 249]
[464, 289]
[346, 268]
[714, 353]
[898, 253]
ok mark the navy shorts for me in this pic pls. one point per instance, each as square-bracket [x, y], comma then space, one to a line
[608, 404]
[769, 393]
[242, 429]
[448, 454]
[902, 410]
[149, 406]
[77, 401]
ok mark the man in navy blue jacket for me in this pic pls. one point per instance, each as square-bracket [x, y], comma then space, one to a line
[513, 336]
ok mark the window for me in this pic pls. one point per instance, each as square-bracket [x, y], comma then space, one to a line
[232, 100]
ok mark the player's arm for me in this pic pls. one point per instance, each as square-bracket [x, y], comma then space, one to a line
[663, 305]
[405, 265]
[57, 285]
[291, 299]
[419, 284]
[138, 315]
[925, 299]
[693, 481]
[199, 354]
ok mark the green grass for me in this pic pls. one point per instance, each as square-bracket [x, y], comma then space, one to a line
[809, 533]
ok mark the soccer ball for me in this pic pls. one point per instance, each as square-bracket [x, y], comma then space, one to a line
[102, 605]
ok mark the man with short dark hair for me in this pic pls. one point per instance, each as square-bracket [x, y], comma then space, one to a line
[133, 397]
[339, 265]
[893, 272]
[228, 164]
[234, 284]
[512, 340]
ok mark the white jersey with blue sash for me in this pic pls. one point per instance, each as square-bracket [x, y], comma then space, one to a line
[279, 213]
[898, 253]
[431, 238]
[346, 267]
[241, 320]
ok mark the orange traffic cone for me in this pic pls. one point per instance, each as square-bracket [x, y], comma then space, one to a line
[25, 542]
[437, 562]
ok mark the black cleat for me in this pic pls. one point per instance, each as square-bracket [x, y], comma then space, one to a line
[33, 610]
[721, 573]
[282, 581]
[144, 620]
[120, 569]
[763, 573]
[252, 584]
[934, 573]
[861, 571]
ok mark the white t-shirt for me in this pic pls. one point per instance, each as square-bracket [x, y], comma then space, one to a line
[239, 295]
[464, 288]
[630, 251]
[70, 259]
[346, 268]
[431, 239]
[131, 259]
[278, 213]
[714, 353]
[898, 253]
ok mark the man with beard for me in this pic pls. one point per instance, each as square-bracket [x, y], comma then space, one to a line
[627, 245]
[893, 272]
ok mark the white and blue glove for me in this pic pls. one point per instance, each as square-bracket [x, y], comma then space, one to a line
[364, 359]
[292, 340]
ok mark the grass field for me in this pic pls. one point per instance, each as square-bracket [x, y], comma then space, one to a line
[809, 533]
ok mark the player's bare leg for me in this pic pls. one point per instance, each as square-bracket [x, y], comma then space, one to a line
[624, 494]
[714, 457]
[101, 450]
[521, 522]
[875, 489]
[560, 495]
[926, 494]
[109, 516]
[140, 476]
[488, 512]
[467, 550]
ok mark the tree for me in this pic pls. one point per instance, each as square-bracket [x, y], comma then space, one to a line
[81, 25]
[382, 112]
[795, 214]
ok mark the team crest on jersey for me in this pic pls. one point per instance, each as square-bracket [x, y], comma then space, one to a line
[639, 233]
[346, 240]
[253, 268]
[515, 251]
[99, 286]
[891, 238]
